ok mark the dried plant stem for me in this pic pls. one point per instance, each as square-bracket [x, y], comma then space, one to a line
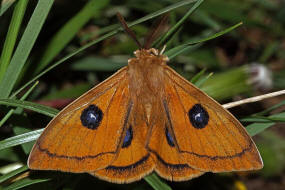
[253, 99]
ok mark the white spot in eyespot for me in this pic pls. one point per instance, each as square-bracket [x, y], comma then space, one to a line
[197, 116]
[92, 116]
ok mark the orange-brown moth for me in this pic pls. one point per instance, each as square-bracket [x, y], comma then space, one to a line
[144, 118]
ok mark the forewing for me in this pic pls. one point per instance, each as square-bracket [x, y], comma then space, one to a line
[207, 135]
[86, 134]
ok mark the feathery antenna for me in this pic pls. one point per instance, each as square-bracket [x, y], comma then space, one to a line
[156, 29]
[128, 30]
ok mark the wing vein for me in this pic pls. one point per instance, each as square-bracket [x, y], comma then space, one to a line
[243, 150]
[58, 143]
[92, 99]
[107, 119]
[221, 144]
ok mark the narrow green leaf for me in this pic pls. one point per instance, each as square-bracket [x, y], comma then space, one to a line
[4, 5]
[69, 30]
[266, 111]
[20, 139]
[156, 183]
[215, 35]
[161, 11]
[31, 106]
[180, 49]
[203, 17]
[202, 80]
[184, 47]
[68, 92]
[256, 128]
[24, 183]
[269, 51]
[9, 155]
[11, 111]
[256, 120]
[198, 76]
[263, 119]
[25, 46]
[227, 84]
[13, 173]
[12, 34]
[98, 64]
[175, 28]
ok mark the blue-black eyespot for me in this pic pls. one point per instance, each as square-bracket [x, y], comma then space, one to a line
[198, 116]
[128, 137]
[91, 117]
[169, 138]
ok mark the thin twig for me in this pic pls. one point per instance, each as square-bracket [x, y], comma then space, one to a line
[253, 99]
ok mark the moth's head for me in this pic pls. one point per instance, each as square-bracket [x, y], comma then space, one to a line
[151, 53]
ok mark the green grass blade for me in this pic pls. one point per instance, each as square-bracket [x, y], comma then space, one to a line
[198, 76]
[71, 92]
[11, 111]
[266, 111]
[203, 17]
[179, 50]
[93, 63]
[175, 28]
[31, 106]
[202, 80]
[24, 183]
[25, 46]
[69, 30]
[263, 119]
[12, 34]
[4, 5]
[215, 35]
[20, 139]
[143, 19]
[184, 47]
[13, 173]
[156, 183]
[256, 128]
[161, 11]
[227, 84]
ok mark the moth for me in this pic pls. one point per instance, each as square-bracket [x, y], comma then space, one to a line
[144, 118]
